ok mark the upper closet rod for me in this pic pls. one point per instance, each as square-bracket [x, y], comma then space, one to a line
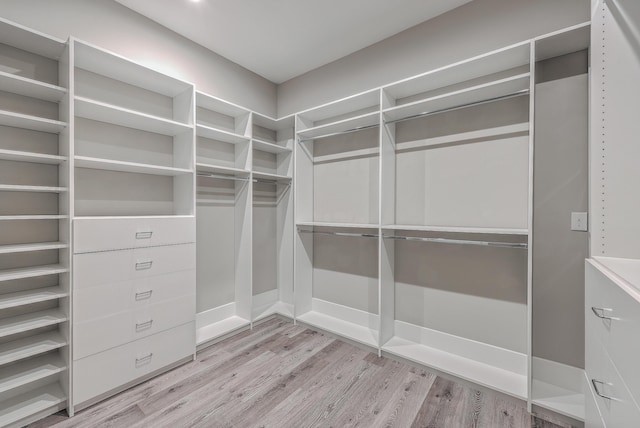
[322, 232]
[221, 176]
[520, 245]
[333, 134]
[458, 107]
[264, 180]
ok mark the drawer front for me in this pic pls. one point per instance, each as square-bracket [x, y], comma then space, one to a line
[91, 337]
[99, 234]
[90, 303]
[612, 396]
[592, 417]
[96, 269]
[618, 335]
[103, 372]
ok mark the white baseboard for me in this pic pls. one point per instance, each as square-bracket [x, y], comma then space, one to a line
[346, 313]
[215, 315]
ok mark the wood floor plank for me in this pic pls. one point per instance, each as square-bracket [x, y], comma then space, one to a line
[285, 376]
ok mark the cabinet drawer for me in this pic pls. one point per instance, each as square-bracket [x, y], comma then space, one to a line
[618, 335]
[91, 337]
[103, 372]
[106, 234]
[106, 299]
[95, 269]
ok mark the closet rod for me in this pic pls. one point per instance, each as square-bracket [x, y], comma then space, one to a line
[357, 235]
[223, 177]
[520, 245]
[263, 180]
[458, 107]
[333, 134]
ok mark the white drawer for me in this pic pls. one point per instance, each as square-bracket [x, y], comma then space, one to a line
[97, 335]
[106, 234]
[619, 410]
[95, 269]
[100, 301]
[592, 417]
[103, 372]
[618, 335]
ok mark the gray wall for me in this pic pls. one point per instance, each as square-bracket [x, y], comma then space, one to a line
[469, 30]
[112, 26]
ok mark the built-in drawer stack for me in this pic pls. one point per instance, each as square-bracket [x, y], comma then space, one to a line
[612, 348]
[134, 300]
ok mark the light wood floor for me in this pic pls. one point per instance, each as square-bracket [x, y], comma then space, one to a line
[281, 375]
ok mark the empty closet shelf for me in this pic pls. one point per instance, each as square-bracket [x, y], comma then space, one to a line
[29, 371]
[458, 229]
[30, 88]
[20, 156]
[336, 233]
[220, 134]
[33, 402]
[268, 177]
[28, 297]
[31, 321]
[37, 189]
[519, 245]
[266, 146]
[354, 124]
[34, 123]
[204, 168]
[33, 217]
[34, 345]
[121, 166]
[337, 225]
[31, 272]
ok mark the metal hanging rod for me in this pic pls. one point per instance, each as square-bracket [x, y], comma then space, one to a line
[221, 176]
[333, 134]
[458, 107]
[520, 245]
[350, 234]
[264, 180]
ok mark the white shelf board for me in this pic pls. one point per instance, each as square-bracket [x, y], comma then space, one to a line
[213, 331]
[563, 42]
[265, 146]
[130, 217]
[28, 347]
[217, 169]
[22, 406]
[114, 66]
[31, 321]
[337, 225]
[465, 137]
[218, 105]
[473, 94]
[29, 40]
[341, 126]
[469, 69]
[273, 124]
[37, 246]
[624, 272]
[108, 113]
[560, 400]
[352, 331]
[27, 297]
[220, 135]
[39, 189]
[268, 176]
[29, 371]
[31, 272]
[35, 123]
[121, 166]
[455, 229]
[343, 106]
[33, 217]
[479, 373]
[30, 87]
[20, 156]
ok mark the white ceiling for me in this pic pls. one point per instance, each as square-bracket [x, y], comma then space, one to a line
[281, 39]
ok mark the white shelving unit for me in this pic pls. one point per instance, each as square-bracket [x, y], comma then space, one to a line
[34, 231]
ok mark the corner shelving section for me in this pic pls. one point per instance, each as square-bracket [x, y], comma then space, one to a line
[34, 225]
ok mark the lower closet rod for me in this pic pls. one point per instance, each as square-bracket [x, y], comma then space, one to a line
[520, 245]
[357, 235]
[221, 176]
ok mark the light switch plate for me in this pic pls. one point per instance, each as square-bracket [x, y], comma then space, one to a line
[579, 222]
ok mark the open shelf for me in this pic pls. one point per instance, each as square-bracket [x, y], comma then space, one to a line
[31, 272]
[221, 106]
[216, 169]
[218, 329]
[34, 123]
[220, 135]
[33, 217]
[39, 189]
[461, 98]
[26, 248]
[28, 297]
[455, 229]
[29, 40]
[33, 402]
[271, 177]
[346, 125]
[350, 330]
[108, 113]
[624, 272]
[265, 146]
[30, 346]
[483, 374]
[30, 371]
[30, 88]
[20, 156]
[560, 400]
[287, 122]
[337, 225]
[354, 103]
[139, 168]
[32, 321]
